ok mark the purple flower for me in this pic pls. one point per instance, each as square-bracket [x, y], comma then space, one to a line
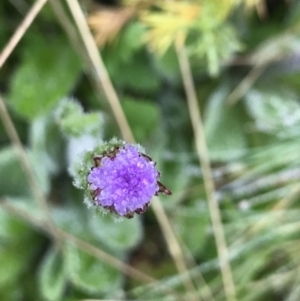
[124, 180]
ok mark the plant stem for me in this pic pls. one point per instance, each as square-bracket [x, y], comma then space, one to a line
[25, 163]
[203, 156]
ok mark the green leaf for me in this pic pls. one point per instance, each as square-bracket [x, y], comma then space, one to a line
[3, 25]
[11, 264]
[272, 47]
[136, 73]
[90, 274]
[210, 44]
[12, 228]
[12, 177]
[289, 80]
[273, 110]
[139, 75]
[294, 13]
[72, 218]
[124, 48]
[142, 116]
[15, 258]
[47, 143]
[10, 291]
[52, 276]
[192, 224]
[74, 122]
[18, 244]
[130, 41]
[119, 236]
[175, 122]
[168, 66]
[223, 127]
[175, 175]
[28, 206]
[45, 75]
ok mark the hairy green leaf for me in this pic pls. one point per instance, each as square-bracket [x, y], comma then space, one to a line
[224, 131]
[90, 274]
[119, 236]
[52, 276]
[12, 177]
[45, 75]
[47, 143]
[192, 226]
[14, 259]
[273, 110]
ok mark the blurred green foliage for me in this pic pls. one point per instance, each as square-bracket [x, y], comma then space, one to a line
[245, 59]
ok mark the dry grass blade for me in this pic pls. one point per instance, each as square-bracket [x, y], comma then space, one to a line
[89, 249]
[21, 30]
[261, 10]
[100, 69]
[202, 151]
[68, 27]
[247, 82]
[31, 177]
[281, 47]
[280, 205]
[173, 245]
[93, 52]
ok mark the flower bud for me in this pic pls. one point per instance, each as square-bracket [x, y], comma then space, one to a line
[120, 178]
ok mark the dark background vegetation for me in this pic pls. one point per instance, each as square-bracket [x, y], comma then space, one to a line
[244, 57]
